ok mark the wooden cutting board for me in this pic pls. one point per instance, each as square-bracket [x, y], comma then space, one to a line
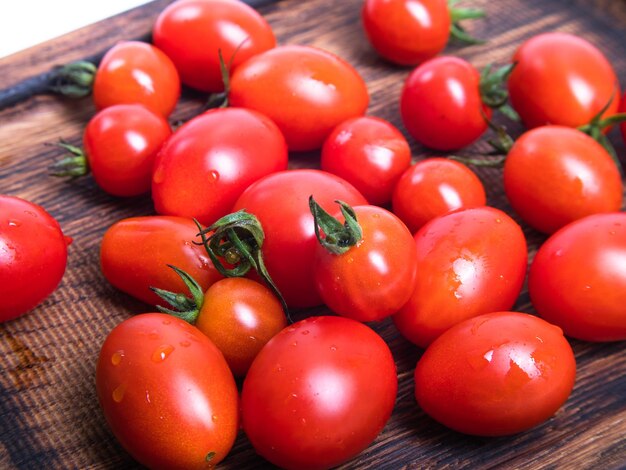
[49, 417]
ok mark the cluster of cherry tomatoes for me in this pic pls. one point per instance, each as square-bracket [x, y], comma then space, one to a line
[371, 235]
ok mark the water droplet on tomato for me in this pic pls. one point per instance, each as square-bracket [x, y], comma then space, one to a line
[333, 348]
[303, 421]
[214, 418]
[295, 343]
[162, 352]
[213, 176]
[148, 396]
[154, 335]
[252, 338]
[14, 223]
[118, 393]
[116, 357]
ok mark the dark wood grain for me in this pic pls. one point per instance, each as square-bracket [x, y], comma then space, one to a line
[49, 417]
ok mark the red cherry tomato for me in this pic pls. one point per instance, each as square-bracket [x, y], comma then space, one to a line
[137, 72]
[120, 143]
[318, 393]
[469, 262]
[208, 162]
[441, 105]
[368, 152]
[33, 256]
[191, 32]
[554, 175]
[407, 32]
[496, 374]
[577, 279]
[434, 187]
[163, 240]
[167, 393]
[281, 203]
[561, 79]
[306, 91]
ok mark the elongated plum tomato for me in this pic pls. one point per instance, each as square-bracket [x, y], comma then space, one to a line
[281, 203]
[206, 164]
[469, 262]
[577, 279]
[496, 374]
[191, 32]
[306, 91]
[120, 143]
[137, 72]
[554, 175]
[441, 104]
[561, 79]
[135, 252]
[33, 256]
[407, 32]
[167, 393]
[318, 393]
[368, 152]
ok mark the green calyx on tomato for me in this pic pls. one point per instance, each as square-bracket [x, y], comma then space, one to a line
[459, 14]
[74, 164]
[183, 307]
[493, 91]
[220, 99]
[339, 237]
[74, 80]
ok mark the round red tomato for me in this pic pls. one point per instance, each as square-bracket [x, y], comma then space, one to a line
[137, 72]
[496, 374]
[209, 161]
[167, 393]
[469, 262]
[191, 32]
[441, 104]
[561, 79]
[163, 240]
[306, 91]
[407, 32]
[554, 175]
[433, 187]
[33, 256]
[578, 278]
[318, 393]
[281, 203]
[368, 152]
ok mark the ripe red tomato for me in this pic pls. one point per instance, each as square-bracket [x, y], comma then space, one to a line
[137, 72]
[441, 105]
[577, 279]
[209, 161]
[561, 79]
[469, 262]
[496, 374]
[281, 203]
[375, 277]
[306, 91]
[240, 315]
[191, 32]
[433, 187]
[318, 393]
[33, 256]
[368, 152]
[407, 32]
[120, 143]
[163, 240]
[554, 175]
[167, 393]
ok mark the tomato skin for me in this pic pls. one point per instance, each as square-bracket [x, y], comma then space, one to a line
[374, 278]
[318, 393]
[469, 262]
[306, 91]
[407, 32]
[441, 106]
[33, 256]
[433, 187]
[163, 240]
[121, 142]
[209, 161]
[281, 203]
[167, 393]
[240, 315]
[137, 72]
[554, 175]
[191, 32]
[577, 279]
[561, 79]
[368, 152]
[496, 374]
